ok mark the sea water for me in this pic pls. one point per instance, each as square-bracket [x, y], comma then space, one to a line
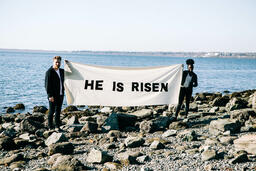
[22, 73]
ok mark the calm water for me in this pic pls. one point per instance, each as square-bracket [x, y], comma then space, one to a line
[22, 73]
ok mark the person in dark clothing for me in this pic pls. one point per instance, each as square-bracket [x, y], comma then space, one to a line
[54, 78]
[189, 80]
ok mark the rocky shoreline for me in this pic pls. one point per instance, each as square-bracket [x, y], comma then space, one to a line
[219, 134]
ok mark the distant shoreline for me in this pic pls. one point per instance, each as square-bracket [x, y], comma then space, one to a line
[247, 55]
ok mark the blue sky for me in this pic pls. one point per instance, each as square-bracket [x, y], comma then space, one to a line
[129, 25]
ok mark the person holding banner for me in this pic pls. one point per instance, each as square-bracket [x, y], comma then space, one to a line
[189, 80]
[54, 87]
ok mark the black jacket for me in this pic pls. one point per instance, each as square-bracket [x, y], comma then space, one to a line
[193, 82]
[52, 82]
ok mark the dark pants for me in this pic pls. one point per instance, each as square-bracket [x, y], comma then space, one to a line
[184, 92]
[55, 107]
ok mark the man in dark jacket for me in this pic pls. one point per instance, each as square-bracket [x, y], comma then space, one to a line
[189, 80]
[54, 78]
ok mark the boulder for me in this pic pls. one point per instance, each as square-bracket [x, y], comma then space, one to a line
[241, 158]
[7, 143]
[67, 162]
[73, 120]
[113, 166]
[254, 100]
[143, 114]
[168, 133]
[10, 132]
[8, 117]
[214, 109]
[106, 110]
[90, 127]
[114, 133]
[38, 117]
[63, 148]
[40, 109]
[242, 115]
[147, 126]
[156, 145]
[70, 109]
[10, 110]
[31, 126]
[134, 142]
[157, 124]
[226, 140]
[12, 158]
[208, 155]
[247, 143]
[97, 156]
[188, 135]
[236, 103]
[222, 125]
[220, 101]
[118, 122]
[178, 125]
[100, 120]
[55, 138]
[128, 157]
[19, 106]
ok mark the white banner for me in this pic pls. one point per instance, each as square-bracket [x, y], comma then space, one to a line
[121, 86]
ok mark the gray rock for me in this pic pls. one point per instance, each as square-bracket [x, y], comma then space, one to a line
[156, 145]
[8, 118]
[143, 114]
[40, 109]
[75, 127]
[10, 132]
[19, 106]
[114, 133]
[188, 135]
[63, 148]
[100, 120]
[178, 125]
[13, 158]
[69, 163]
[73, 120]
[242, 115]
[97, 156]
[157, 124]
[254, 100]
[106, 110]
[214, 109]
[226, 140]
[236, 103]
[143, 159]
[118, 122]
[208, 155]
[147, 126]
[70, 109]
[55, 138]
[7, 143]
[241, 158]
[128, 157]
[211, 141]
[168, 133]
[31, 126]
[247, 143]
[222, 125]
[90, 127]
[220, 101]
[10, 110]
[134, 142]
[113, 165]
